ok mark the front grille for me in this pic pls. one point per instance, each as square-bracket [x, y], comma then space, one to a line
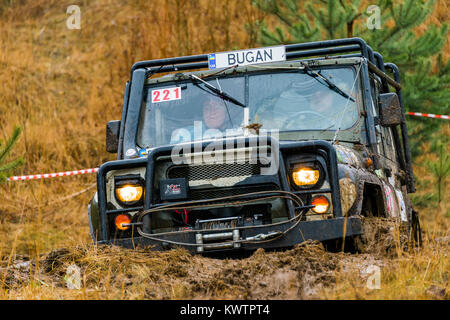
[227, 192]
[214, 171]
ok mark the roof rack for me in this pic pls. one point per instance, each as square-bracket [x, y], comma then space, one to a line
[350, 47]
[357, 46]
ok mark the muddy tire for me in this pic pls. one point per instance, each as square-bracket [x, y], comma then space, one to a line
[381, 236]
[356, 244]
[353, 244]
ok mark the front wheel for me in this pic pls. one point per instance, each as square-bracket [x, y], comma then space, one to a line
[352, 244]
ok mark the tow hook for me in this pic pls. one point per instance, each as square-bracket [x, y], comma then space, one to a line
[263, 236]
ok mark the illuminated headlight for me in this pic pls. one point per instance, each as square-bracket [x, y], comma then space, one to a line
[129, 191]
[307, 176]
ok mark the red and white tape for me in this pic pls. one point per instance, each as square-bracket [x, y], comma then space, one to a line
[84, 171]
[429, 115]
[53, 175]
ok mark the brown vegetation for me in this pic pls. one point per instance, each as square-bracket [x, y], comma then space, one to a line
[62, 86]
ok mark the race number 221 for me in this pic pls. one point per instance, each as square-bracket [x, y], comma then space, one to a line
[167, 94]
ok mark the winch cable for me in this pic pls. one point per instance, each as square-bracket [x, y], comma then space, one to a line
[297, 217]
[217, 205]
[292, 197]
[277, 236]
[172, 205]
[282, 233]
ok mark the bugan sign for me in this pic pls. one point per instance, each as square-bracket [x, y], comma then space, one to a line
[246, 57]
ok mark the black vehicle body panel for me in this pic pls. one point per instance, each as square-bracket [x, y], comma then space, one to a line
[341, 225]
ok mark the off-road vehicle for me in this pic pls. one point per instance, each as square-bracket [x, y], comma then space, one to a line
[264, 147]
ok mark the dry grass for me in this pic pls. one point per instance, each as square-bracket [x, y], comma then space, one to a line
[416, 273]
[62, 86]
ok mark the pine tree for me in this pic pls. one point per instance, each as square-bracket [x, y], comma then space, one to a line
[441, 167]
[7, 167]
[423, 90]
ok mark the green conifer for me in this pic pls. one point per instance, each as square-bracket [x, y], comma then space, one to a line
[423, 90]
[7, 167]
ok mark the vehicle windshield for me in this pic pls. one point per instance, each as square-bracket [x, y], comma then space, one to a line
[187, 110]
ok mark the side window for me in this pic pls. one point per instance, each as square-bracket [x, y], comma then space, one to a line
[388, 143]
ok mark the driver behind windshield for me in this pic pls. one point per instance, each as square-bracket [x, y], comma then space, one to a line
[288, 107]
[332, 109]
[216, 123]
[310, 105]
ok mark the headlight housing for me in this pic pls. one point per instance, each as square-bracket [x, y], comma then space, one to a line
[307, 176]
[129, 191]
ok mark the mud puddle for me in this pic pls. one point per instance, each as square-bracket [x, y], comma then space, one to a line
[302, 272]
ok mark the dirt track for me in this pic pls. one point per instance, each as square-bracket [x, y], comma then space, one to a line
[302, 272]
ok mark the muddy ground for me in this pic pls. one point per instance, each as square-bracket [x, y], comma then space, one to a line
[302, 272]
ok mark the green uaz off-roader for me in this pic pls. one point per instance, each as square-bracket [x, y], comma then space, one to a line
[264, 147]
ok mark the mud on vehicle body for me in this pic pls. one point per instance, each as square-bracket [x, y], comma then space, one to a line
[305, 140]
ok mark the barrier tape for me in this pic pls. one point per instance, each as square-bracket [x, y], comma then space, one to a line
[429, 115]
[52, 175]
[93, 170]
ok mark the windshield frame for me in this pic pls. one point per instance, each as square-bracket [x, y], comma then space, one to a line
[140, 78]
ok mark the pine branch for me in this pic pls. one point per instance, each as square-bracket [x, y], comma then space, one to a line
[10, 143]
[5, 169]
[11, 165]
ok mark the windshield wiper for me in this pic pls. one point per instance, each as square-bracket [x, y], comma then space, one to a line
[331, 85]
[219, 92]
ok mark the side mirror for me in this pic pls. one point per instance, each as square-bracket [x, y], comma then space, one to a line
[112, 136]
[390, 110]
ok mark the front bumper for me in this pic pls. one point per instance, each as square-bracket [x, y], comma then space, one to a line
[249, 238]
[276, 235]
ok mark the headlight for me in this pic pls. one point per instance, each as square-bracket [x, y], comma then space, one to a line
[305, 176]
[129, 191]
[321, 204]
